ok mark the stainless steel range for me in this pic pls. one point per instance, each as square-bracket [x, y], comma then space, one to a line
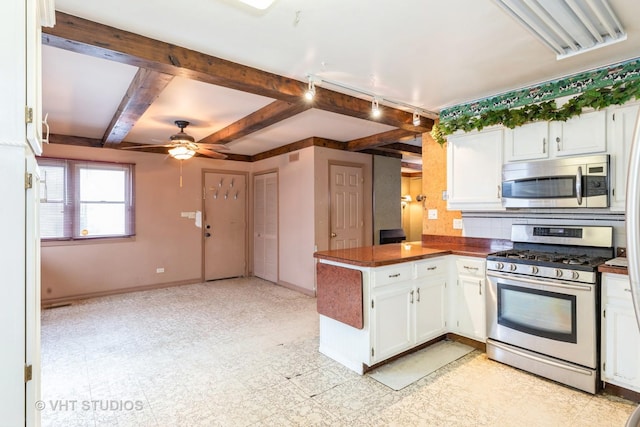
[543, 302]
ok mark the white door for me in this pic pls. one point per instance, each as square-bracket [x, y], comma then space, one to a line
[430, 309]
[391, 321]
[224, 225]
[471, 307]
[265, 226]
[347, 199]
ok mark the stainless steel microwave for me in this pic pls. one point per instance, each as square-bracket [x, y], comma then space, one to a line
[572, 182]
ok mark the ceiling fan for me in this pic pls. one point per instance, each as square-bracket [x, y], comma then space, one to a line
[183, 145]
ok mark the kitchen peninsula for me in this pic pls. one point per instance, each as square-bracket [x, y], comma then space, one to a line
[377, 302]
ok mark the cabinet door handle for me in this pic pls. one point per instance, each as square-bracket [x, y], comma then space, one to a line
[470, 268]
[627, 290]
[498, 192]
[480, 287]
[432, 268]
[411, 297]
[544, 145]
[391, 276]
[418, 295]
[558, 143]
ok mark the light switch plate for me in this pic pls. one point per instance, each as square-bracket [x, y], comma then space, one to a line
[433, 214]
[457, 224]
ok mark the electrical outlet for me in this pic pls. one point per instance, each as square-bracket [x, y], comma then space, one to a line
[160, 270]
[457, 224]
[433, 214]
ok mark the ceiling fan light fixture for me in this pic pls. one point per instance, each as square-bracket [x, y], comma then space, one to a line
[182, 152]
[258, 4]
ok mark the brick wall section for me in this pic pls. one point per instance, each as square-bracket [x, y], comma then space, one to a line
[434, 182]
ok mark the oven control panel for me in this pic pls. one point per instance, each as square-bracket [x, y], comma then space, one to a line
[565, 274]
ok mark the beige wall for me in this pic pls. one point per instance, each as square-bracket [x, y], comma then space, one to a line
[163, 238]
[434, 182]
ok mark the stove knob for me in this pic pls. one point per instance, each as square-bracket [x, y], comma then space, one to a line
[558, 272]
[513, 267]
[499, 265]
[575, 275]
[534, 269]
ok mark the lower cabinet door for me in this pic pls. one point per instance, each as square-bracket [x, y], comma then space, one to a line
[391, 321]
[471, 308]
[429, 309]
[621, 347]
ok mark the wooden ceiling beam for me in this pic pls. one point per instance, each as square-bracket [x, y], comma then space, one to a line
[298, 145]
[401, 148]
[414, 166]
[264, 117]
[145, 87]
[90, 38]
[379, 139]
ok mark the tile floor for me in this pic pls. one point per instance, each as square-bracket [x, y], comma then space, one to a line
[243, 352]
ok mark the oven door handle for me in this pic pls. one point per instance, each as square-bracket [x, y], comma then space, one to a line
[579, 185]
[540, 282]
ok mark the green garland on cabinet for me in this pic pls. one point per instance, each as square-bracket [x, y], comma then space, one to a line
[600, 98]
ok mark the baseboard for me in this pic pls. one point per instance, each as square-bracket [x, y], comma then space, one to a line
[308, 292]
[468, 341]
[616, 390]
[60, 302]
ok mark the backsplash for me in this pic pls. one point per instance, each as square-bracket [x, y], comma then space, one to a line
[497, 225]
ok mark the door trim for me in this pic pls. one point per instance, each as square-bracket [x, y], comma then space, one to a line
[246, 217]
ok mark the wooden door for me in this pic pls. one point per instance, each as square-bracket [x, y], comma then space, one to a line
[224, 225]
[347, 216]
[265, 226]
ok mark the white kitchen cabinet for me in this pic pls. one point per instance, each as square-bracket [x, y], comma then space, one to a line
[474, 170]
[468, 302]
[430, 309]
[527, 142]
[621, 122]
[391, 321]
[406, 313]
[404, 305]
[583, 134]
[620, 345]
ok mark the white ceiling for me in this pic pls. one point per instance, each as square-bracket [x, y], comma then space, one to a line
[427, 53]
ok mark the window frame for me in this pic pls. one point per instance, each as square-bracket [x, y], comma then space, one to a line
[72, 201]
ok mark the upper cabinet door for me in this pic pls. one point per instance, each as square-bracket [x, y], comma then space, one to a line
[527, 142]
[583, 134]
[474, 170]
[621, 126]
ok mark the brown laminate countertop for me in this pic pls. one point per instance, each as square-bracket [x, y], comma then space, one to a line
[393, 253]
[604, 268]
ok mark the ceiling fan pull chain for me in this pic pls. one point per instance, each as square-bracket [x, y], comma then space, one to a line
[180, 173]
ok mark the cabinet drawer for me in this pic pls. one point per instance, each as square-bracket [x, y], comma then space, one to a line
[392, 274]
[470, 267]
[430, 267]
[617, 286]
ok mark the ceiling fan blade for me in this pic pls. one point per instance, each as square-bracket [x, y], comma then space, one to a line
[217, 147]
[211, 153]
[138, 147]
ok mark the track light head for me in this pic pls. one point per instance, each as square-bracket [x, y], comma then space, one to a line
[375, 108]
[416, 118]
[311, 91]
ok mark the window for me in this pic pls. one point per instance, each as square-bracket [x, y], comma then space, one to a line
[83, 200]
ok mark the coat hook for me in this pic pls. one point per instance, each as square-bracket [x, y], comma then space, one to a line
[226, 195]
[236, 196]
[215, 195]
[220, 183]
[231, 185]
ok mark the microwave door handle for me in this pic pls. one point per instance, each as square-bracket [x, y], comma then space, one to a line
[579, 185]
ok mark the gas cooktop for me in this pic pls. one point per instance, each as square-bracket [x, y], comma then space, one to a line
[551, 259]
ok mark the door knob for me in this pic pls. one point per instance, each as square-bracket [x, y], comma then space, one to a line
[333, 234]
[207, 234]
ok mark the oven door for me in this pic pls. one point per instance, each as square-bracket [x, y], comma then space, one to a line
[555, 318]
